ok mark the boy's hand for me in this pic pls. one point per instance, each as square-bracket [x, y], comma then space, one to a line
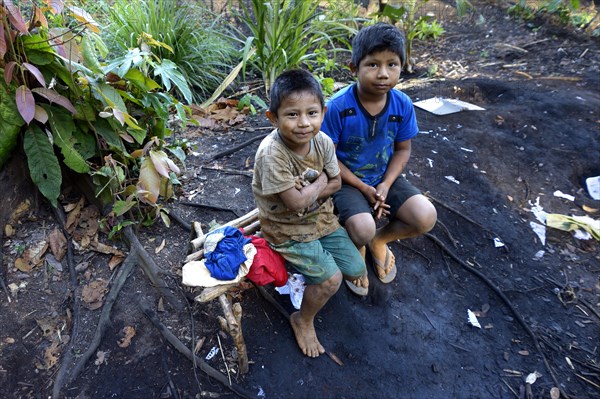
[381, 209]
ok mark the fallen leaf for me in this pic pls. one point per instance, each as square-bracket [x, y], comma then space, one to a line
[51, 355]
[126, 340]
[58, 244]
[523, 353]
[161, 306]
[73, 216]
[93, 294]
[554, 393]
[21, 209]
[335, 358]
[160, 247]
[115, 261]
[9, 231]
[199, 345]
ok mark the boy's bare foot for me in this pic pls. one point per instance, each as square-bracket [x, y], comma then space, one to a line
[306, 336]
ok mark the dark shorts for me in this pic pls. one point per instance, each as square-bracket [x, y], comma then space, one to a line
[320, 259]
[349, 201]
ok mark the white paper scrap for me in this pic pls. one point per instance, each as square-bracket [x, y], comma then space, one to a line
[540, 230]
[452, 179]
[212, 353]
[430, 162]
[445, 106]
[294, 288]
[466, 149]
[473, 319]
[593, 186]
[498, 242]
[532, 377]
[560, 194]
[538, 211]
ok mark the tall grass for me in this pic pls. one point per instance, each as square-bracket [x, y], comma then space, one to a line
[287, 34]
[200, 51]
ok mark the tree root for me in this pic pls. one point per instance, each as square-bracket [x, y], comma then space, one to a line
[236, 148]
[507, 302]
[150, 268]
[198, 362]
[468, 219]
[103, 323]
[2, 271]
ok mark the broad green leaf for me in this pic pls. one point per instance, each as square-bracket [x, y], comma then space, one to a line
[138, 134]
[121, 207]
[167, 70]
[8, 108]
[109, 135]
[43, 165]
[149, 182]
[8, 140]
[25, 103]
[39, 57]
[138, 79]
[63, 127]
[89, 55]
[111, 97]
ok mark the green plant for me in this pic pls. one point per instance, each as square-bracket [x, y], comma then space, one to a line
[192, 34]
[248, 100]
[105, 120]
[284, 33]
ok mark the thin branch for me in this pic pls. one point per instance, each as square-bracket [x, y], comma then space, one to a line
[2, 271]
[213, 207]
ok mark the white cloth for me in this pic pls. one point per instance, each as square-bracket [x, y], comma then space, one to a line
[196, 274]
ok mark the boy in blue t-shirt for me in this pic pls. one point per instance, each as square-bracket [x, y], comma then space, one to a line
[372, 124]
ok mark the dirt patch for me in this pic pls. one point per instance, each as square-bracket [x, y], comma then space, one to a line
[410, 339]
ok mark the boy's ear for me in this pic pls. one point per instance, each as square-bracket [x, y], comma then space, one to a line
[353, 68]
[324, 110]
[272, 117]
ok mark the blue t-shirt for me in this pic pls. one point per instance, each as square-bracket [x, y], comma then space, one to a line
[365, 143]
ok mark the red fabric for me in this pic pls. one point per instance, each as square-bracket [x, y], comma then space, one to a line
[268, 266]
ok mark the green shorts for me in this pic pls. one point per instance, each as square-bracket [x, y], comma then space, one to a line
[320, 259]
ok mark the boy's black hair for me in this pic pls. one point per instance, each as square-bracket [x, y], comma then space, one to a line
[294, 81]
[378, 37]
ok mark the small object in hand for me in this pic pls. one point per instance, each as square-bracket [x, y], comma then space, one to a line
[310, 175]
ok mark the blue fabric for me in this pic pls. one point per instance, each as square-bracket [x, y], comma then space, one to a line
[224, 262]
[365, 142]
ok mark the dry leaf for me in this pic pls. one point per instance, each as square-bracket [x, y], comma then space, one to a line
[73, 216]
[9, 231]
[161, 306]
[58, 244]
[199, 345]
[31, 257]
[589, 209]
[93, 294]
[160, 247]
[22, 208]
[51, 355]
[115, 261]
[554, 393]
[523, 353]
[335, 358]
[105, 249]
[126, 340]
[531, 378]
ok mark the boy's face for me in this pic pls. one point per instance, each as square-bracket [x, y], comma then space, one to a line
[298, 119]
[378, 72]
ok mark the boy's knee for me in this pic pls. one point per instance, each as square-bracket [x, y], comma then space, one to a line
[361, 229]
[332, 284]
[427, 221]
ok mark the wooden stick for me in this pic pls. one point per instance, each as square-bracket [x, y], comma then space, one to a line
[232, 324]
[239, 222]
[210, 293]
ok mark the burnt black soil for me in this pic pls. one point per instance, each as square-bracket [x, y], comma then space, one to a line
[539, 133]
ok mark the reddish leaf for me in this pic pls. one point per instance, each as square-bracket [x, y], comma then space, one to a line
[40, 17]
[35, 72]
[54, 97]
[25, 103]
[56, 6]
[60, 49]
[8, 71]
[2, 41]
[15, 17]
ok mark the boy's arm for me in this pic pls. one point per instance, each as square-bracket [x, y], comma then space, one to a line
[395, 166]
[298, 199]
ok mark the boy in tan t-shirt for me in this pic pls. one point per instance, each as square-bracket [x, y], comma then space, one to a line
[295, 173]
